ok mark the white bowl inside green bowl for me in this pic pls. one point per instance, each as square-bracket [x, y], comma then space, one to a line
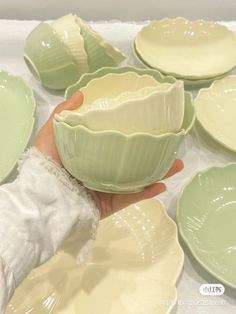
[112, 161]
[155, 111]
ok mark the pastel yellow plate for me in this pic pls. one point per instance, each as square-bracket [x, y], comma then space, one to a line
[17, 106]
[187, 49]
[137, 261]
[216, 111]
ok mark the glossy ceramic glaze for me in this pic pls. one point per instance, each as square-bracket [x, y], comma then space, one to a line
[136, 262]
[187, 49]
[111, 161]
[48, 60]
[206, 217]
[70, 33]
[17, 106]
[100, 52]
[112, 85]
[216, 111]
[157, 112]
[108, 103]
[58, 54]
[189, 83]
[88, 79]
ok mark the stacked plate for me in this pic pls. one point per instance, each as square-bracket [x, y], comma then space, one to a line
[126, 134]
[195, 51]
[58, 54]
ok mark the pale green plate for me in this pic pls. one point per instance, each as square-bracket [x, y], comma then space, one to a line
[206, 216]
[17, 106]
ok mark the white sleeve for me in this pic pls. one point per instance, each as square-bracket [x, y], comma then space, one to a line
[38, 211]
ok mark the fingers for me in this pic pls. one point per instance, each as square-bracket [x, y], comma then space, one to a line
[73, 102]
[177, 166]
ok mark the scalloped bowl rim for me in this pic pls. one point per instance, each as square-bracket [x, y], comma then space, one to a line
[113, 70]
[122, 104]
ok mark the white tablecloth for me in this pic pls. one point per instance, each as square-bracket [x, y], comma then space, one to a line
[198, 151]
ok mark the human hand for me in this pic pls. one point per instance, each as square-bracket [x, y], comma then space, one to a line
[107, 203]
[45, 140]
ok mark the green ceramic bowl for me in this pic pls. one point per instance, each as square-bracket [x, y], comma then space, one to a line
[206, 216]
[48, 60]
[111, 161]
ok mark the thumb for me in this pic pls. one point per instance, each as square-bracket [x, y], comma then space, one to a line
[73, 102]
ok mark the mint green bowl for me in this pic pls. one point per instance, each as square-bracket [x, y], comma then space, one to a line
[111, 161]
[206, 217]
[48, 60]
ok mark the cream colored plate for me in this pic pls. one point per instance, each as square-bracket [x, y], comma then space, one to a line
[216, 111]
[187, 49]
[136, 263]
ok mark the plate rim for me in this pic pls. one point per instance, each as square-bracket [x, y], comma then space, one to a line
[182, 234]
[180, 76]
[30, 120]
[202, 90]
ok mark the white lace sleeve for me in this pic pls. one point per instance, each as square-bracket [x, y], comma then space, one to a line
[38, 211]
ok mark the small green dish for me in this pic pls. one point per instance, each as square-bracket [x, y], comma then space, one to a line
[48, 60]
[206, 217]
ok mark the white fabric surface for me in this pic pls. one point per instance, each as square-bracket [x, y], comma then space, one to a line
[198, 150]
[40, 209]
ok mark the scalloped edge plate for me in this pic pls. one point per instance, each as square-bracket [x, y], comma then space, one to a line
[199, 32]
[219, 128]
[17, 120]
[207, 255]
[136, 263]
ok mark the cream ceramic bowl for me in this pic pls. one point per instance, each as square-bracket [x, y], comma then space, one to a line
[58, 54]
[111, 161]
[157, 111]
[187, 49]
[216, 111]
